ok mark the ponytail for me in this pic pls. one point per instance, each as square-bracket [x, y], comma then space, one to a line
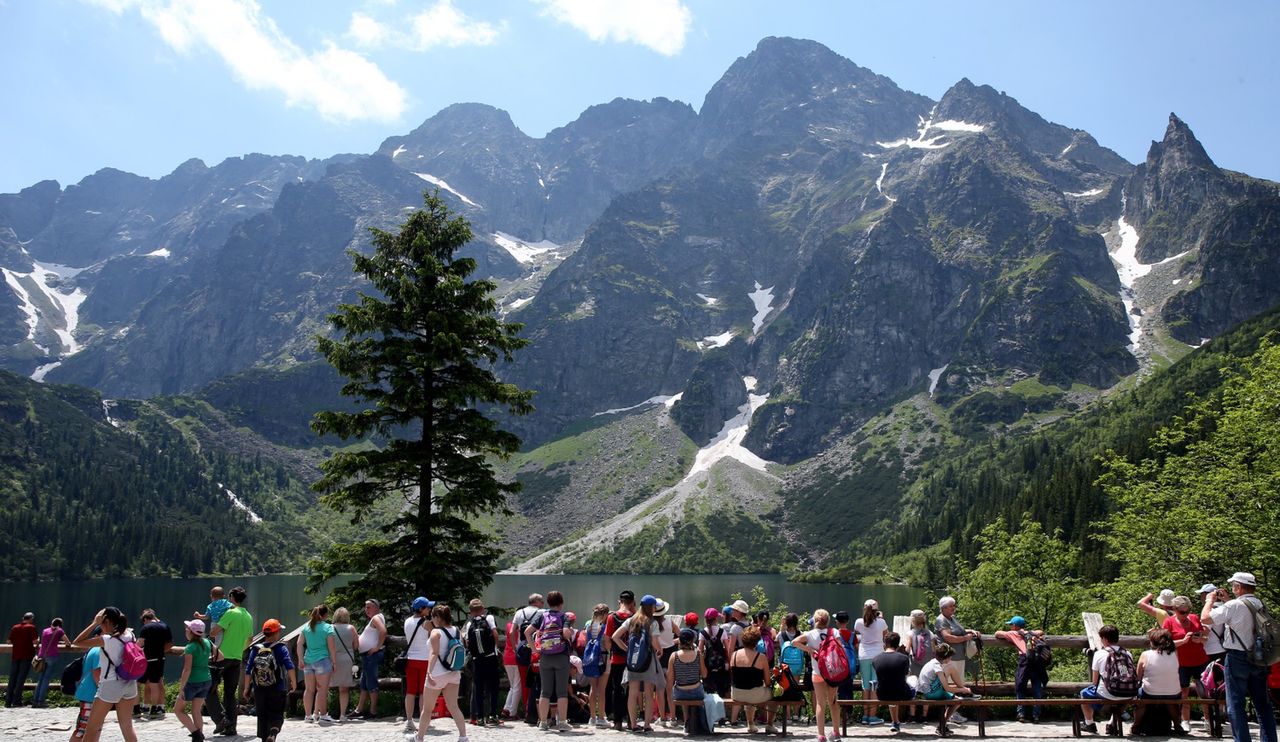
[317, 615]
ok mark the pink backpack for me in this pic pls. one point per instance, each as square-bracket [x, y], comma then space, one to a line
[133, 663]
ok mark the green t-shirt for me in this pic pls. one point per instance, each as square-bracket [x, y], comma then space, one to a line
[237, 629]
[199, 651]
[317, 642]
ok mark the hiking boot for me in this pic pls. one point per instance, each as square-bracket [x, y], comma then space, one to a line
[1091, 728]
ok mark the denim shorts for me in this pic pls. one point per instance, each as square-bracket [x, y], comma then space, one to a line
[369, 664]
[319, 667]
[192, 691]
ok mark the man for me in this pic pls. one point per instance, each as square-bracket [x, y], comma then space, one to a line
[1213, 641]
[417, 632]
[23, 637]
[156, 640]
[1110, 637]
[1031, 676]
[947, 627]
[615, 697]
[372, 641]
[269, 679]
[482, 644]
[232, 632]
[1244, 679]
[524, 654]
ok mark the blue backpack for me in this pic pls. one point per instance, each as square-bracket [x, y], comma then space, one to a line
[639, 651]
[593, 654]
[793, 658]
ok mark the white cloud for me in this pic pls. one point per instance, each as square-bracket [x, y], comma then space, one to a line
[660, 25]
[338, 83]
[441, 24]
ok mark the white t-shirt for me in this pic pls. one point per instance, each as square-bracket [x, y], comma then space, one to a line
[112, 649]
[870, 638]
[524, 618]
[1100, 667]
[928, 674]
[813, 637]
[1160, 674]
[1236, 622]
[369, 637]
[666, 639]
[419, 647]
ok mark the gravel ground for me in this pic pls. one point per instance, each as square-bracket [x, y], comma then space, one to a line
[48, 725]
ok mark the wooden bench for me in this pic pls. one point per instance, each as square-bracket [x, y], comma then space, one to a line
[784, 706]
[982, 707]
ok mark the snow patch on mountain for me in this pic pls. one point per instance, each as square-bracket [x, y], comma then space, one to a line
[437, 182]
[663, 399]
[524, 252]
[519, 302]
[1129, 270]
[1083, 194]
[398, 152]
[728, 442]
[161, 253]
[884, 168]
[710, 300]
[947, 126]
[716, 341]
[762, 298]
[934, 376]
[56, 309]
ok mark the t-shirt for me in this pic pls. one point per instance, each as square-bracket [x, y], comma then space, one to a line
[666, 639]
[113, 648]
[611, 626]
[870, 638]
[23, 638]
[199, 651]
[237, 629]
[154, 637]
[1237, 622]
[953, 626]
[317, 641]
[523, 619]
[1191, 654]
[217, 609]
[536, 623]
[369, 636]
[417, 632]
[283, 661]
[50, 638]
[1100, 666]
[1160, 674]
[929, 676]
[892, 669]
[87, 689]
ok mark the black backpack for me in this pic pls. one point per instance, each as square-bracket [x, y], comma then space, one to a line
[480, 641]
[1039, 653]
[713, 650]
[71, 676]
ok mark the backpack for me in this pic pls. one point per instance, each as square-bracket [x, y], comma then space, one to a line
[1039, 653]
[480, 637]
[593, 655]
[1212, 682]
[1121, 676]
[833, 661]
[265, 672]
[551, 634]
[524, 653]
[133, 663]
[770, 645]
[921, 646]
[639, 651]
[1264, 650]
[455, 655]
[793, 658]
[716, 657]
[70, 678]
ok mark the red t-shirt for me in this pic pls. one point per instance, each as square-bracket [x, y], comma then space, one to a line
[23, 638]
[611, 625]
[1191, 654]
[1273, 680]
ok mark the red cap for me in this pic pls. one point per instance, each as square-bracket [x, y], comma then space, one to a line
[690, 619]
[272, 626]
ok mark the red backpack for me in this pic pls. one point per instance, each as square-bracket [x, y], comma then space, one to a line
[832, 661]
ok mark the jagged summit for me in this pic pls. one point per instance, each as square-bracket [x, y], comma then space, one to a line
[1179, 148]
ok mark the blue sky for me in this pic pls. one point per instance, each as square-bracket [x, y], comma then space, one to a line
[143, 85]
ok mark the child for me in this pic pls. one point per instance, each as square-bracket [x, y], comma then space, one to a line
[218, 605]
[265, 674]
[86, 691]
[936, 684]
[195, 681]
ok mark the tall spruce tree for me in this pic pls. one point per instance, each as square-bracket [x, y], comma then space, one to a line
[419, 359]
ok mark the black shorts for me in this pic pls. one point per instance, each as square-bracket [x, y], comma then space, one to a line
[155, 671]
[1188, 675]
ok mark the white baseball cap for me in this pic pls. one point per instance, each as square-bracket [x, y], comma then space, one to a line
[1244, 578]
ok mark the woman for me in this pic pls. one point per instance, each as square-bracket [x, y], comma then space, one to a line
[344, 678]
[711, 641]
[1188, 637]
[372, 640]
[1158, 671]
[937, 684]
[51, 639]
[440, 678]
[511, 708]
[685, 671]
[667, 632]
[871, 630]
[641, 685]
[317, 648]
[112, 633]
[195, 681]
[594, 631]
[551, 638]
[824, 696]
[748, 669]
[920, 651]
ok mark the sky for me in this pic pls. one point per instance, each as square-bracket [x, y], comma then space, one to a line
[143, 85]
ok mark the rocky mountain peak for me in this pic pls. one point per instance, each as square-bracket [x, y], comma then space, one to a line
[1178, 150]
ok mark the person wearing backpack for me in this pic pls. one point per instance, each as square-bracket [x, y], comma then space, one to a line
[268, 679]
[482, 644]
[712, 641]
[616, 696]
[920, 650]
[549, 634]
[444, 672]
[1114, 674]
[86, 689]
[1032, 673]
[524, 654]
[595, 663]
[1249, 631]
[823, 638]
[637, 642]
[117, 682]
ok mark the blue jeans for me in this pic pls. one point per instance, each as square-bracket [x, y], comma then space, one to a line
[1246, 680]
[1026, 680]
[369, 664]
[42, 681]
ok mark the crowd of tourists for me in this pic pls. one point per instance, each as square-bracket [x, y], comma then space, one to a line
[630, 665]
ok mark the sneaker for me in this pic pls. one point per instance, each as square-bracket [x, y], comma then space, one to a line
[463, 738]
[770, 729]
[895, 727]
[494, 721]
[956, 718]
[309, 718]
[603, 723]
[543, 726]
[325, 719]
[409, 726]
[1091, 728]
[564, 726]
[873, 721]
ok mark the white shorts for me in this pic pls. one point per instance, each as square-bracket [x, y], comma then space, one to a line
[113, 690]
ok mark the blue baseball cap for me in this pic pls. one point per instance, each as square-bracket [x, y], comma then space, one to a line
[420, 602]
[1018, 621]
[648, 600]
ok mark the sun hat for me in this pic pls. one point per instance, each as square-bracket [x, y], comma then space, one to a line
[420, 603]
[1018, 621]
[648, 600]
[195, 627]
[661, 608]
[690, 619]
[711, 614]
[1166, 598]
[917, 613]
[1243, 578]
[741, 606]
[1207, 588]
[272, 626]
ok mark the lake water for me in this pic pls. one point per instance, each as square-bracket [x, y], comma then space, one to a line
[281, 596]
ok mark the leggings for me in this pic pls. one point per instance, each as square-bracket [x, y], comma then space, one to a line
[513, 695]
